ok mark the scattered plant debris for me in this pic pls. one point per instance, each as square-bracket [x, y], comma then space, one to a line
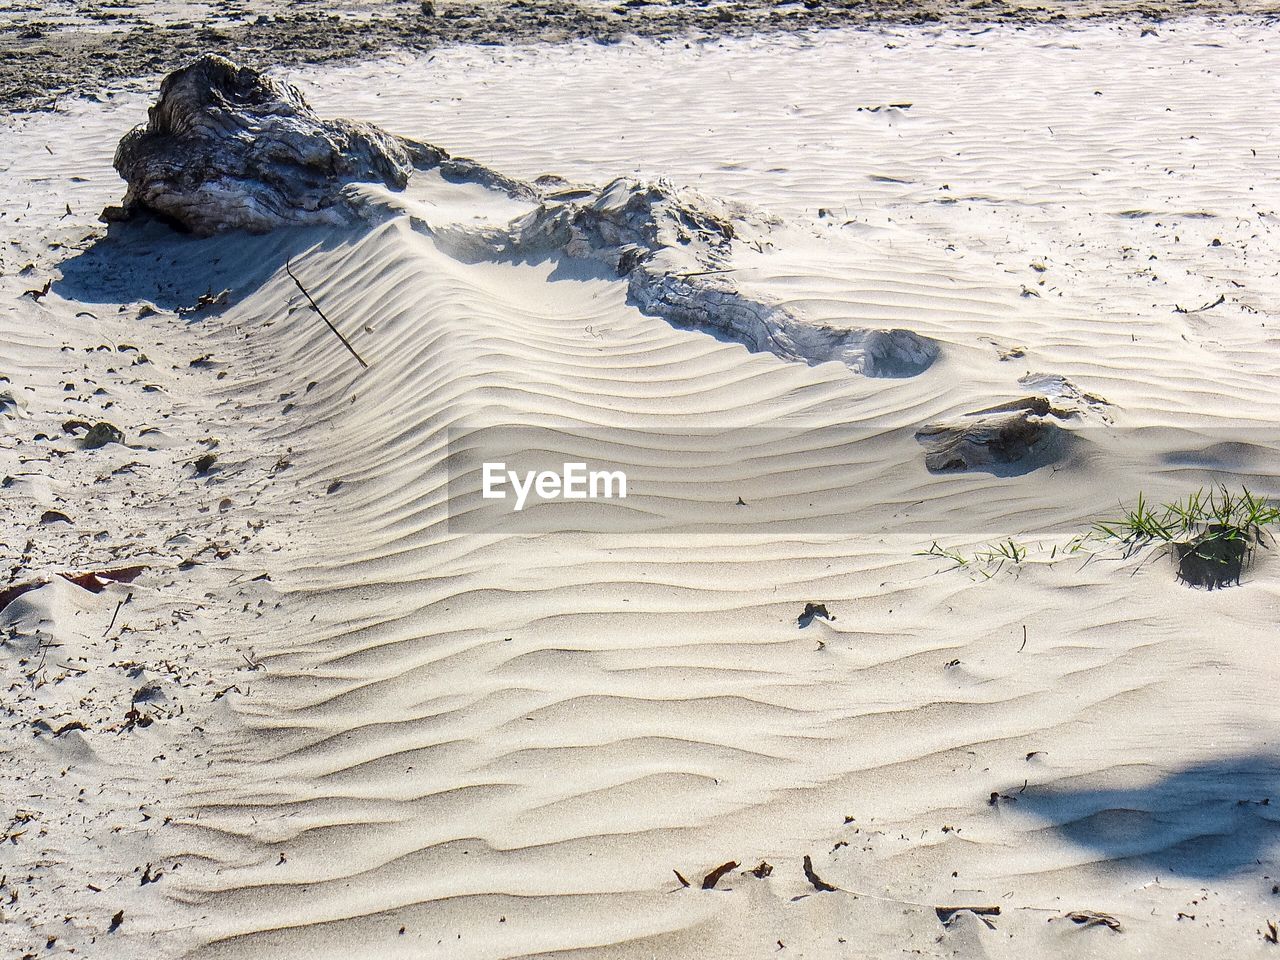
[1222, 298]
[1092, 918]
[100, 434]
[818, 883]
[207, 300]
[711, 879]
[812, 610]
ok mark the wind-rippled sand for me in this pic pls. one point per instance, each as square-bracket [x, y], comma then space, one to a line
[486, 746]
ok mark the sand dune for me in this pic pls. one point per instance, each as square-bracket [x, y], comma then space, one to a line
[488, 745]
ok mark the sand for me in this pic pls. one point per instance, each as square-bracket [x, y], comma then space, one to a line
[369, 735]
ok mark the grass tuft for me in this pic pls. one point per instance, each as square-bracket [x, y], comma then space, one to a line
[1204, 517]
[988, 561]
[955, 556]
[1211, 533]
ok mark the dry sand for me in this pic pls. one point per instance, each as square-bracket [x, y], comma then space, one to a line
[325, 726]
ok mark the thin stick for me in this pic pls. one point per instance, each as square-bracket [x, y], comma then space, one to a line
[316, 307]
[117, 613]
[112, 624]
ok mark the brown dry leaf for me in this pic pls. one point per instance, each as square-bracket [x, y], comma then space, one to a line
[95, 581]
[1092, 918]
[711, 879]
[818, 883]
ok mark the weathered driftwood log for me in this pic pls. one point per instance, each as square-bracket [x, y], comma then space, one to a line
[1017, 436]
[227, 148]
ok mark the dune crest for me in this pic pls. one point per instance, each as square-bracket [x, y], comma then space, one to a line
[676, 248]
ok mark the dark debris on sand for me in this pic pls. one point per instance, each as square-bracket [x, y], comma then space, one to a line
[94, 48]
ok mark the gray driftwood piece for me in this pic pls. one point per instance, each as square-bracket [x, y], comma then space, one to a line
[226, 147]
[1017, 434]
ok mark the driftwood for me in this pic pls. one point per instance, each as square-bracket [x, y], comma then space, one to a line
[1015, 433]
[1016, 436]
[947, 914]
[227, 148]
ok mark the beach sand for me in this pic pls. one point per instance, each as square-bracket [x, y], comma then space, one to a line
[325, 724]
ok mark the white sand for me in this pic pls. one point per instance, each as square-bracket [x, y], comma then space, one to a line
[496, 747]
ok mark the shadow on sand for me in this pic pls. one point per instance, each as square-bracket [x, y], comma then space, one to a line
[149, 260]
[1206, 821]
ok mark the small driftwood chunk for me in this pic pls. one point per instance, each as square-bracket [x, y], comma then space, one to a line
[1014, 434]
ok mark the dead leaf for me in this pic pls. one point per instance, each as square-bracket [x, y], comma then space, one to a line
[711, 879]
[818, 883]
[95, 581]
[812, 610]
[36, 295]
[1091, 918]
